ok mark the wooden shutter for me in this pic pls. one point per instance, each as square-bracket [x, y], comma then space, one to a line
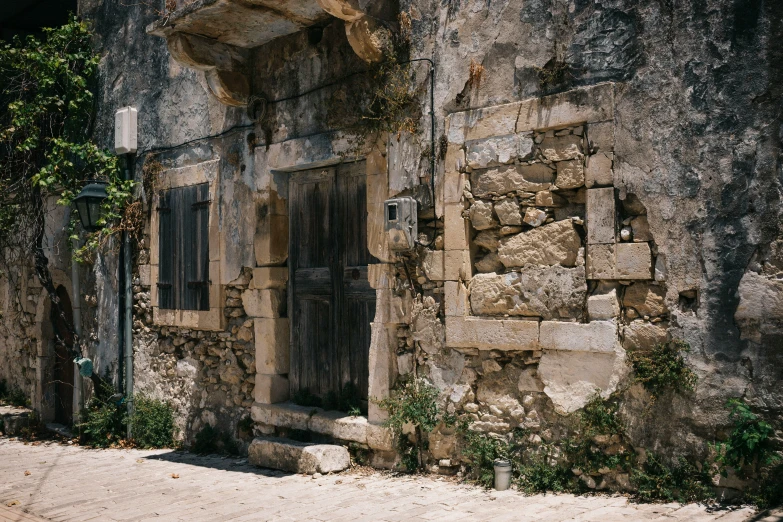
[183, 271]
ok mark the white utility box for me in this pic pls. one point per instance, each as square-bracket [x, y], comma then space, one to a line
[401, 222]
[125, 130]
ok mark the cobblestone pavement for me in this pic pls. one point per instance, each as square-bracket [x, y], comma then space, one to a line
[51, 481]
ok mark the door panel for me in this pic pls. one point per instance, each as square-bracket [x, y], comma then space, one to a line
[330, 298]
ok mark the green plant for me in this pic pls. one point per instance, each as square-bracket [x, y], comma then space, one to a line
[681, 482]
[481, 451]
[664, 368]
[104, 422]
[152, 423]
[749, 441]
[541, 472]
[412, 402]
[769, 491]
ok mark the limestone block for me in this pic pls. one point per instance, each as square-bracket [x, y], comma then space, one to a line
[283, 415]
[507, 211]
[298, 457]
[379, 438]
[391, 308]
[381, 368]
[600, 262]
[457, 265]
[561, 148]
[367, 37]
[498, 120]
[600, 216]
[511, 178]
[489, 239]
[549, 199]
[641, 230]
[498, 150]
[453, 187]
[380, 275]
[271, 240]
[263, 303]
[433, 264]
[598, 170]
[269, 277]
[377, 239]
[489, 263]
[491, 334]
[534, 217]
[529, 381]
[633, 261]
[596, 336]
[481, 216]
[547, 292]
[553, 244]
[646, 299]
[455, 235]
[347, 10]
[760, 306]
[455, 298]
[600, 136]
[573, 107]
[340, 426]
[272, 346]
[270, 389]
[144, 275]
[571, 379]
[603, 306]
[455, 159]
[570, 174]
[643, 335]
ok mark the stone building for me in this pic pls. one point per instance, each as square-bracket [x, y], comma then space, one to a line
[607, 176]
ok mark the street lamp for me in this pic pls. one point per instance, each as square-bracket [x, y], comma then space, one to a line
[89, 202]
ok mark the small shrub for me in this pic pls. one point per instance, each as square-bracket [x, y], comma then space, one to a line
[541, 472]
[664, 368]
[412, 401]
[750, 440]
[769, 492]
[103, 423]
[481, 451]
[152, 423]
[599, 417]
[682, 482]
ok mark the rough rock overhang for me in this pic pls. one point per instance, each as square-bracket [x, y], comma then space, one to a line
[215, 36]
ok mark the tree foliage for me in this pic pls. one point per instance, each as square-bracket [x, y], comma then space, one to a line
[46, 150]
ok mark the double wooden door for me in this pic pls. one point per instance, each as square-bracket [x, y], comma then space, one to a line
[331, 303]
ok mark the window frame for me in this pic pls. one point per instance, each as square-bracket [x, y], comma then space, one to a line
[212, 319]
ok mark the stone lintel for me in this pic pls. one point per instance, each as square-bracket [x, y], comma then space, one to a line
[491, 334]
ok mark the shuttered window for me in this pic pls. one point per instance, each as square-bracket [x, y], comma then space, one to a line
[183, 270]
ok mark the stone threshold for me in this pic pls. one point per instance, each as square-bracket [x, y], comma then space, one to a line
[335, 424]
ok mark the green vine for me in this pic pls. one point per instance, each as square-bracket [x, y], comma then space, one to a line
[45, 135]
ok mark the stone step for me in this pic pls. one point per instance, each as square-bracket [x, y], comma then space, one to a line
[13, 419]
[298, 457]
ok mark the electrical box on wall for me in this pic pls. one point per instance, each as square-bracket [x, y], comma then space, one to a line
[401, 223]
[125, 130]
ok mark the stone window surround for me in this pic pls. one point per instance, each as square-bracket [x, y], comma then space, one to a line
[590, 105]
[273, 333]
[212, 319]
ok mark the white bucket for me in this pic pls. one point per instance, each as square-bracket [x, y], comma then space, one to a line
[502, 474]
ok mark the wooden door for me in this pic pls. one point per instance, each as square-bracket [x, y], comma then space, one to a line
[330, 299]
[63, 361]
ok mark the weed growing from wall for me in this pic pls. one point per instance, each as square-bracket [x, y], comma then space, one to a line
[664, 368]
[412, 402]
